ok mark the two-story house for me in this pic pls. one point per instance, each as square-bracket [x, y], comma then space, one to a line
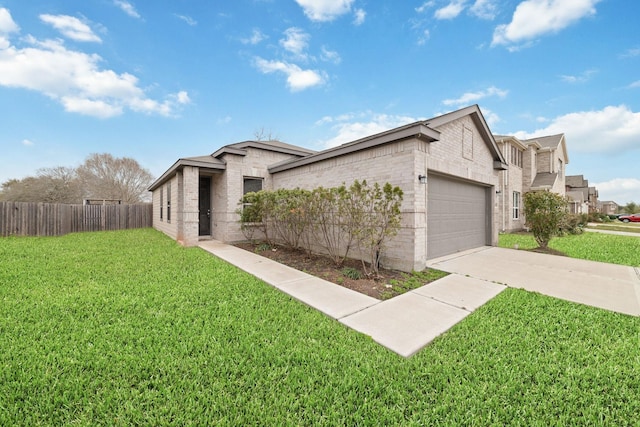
[535, 164]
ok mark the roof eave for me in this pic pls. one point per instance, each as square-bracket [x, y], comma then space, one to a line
[416, 130]
[181, 163]
[497, 164]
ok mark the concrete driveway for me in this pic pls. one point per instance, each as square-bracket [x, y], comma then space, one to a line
[609, 286]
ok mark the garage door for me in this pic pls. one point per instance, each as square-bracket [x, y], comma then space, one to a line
[457, 216]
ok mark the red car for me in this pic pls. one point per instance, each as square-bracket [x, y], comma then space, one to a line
[630, 218]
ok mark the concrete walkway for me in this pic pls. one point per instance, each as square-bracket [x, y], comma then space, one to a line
[404, 324]
[609, 286]
[408, 322]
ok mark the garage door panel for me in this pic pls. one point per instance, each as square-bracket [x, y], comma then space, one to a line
[457, 213]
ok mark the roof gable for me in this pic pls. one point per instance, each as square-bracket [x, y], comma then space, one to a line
[552, 142]
[422, 130]
[476, 115]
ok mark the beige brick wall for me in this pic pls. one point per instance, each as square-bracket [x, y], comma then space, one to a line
[529, 168]
[511, 180]
[170, 228]
[393, 163]
[187, 207]
[228, 188]
[543, 160]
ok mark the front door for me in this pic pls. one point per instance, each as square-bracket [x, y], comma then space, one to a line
[204, 206]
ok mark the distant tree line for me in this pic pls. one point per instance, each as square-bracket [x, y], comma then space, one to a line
[630, 208]
[101, 176]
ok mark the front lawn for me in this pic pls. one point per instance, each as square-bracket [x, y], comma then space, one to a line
[614, 249]
[128, 328]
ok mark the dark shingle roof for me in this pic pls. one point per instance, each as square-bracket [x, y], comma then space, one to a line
[576, 181]
[544, 179]
[551, 141]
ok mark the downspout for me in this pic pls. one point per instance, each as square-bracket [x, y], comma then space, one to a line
[502, 190]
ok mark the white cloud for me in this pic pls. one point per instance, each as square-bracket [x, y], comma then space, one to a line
[473, 97]
[256, 37]
[27, 143]
[127, 8]
[224, 120]
[630, 53]
[330, 55]
[450, 11]
[90, 107]
[424, 6]
[183, 97]
[424, 37]
[634, 84]
[359, 16]
[610, 130]
[490, 117]
[366, 124]
[189, 20]
[296, 41]
[484, 9]
[324, 10]
[7, 25]
[580, 78]
[71, 27]
[620, 190]
[297, 78]
[534, 18]
[76, 80]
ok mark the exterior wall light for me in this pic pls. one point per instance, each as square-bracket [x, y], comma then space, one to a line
[422, 179]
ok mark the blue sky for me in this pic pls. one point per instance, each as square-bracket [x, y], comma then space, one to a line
[164, 79]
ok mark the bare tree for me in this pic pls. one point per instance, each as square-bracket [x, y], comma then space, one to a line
[20, 190]
[264, 135]
[106, 177]
[61, 185]
[51, 185]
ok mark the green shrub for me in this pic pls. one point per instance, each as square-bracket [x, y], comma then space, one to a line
[545, 212]
[572, 224]
[334, 219]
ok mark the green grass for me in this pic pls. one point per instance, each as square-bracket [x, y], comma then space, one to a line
[410, 281]
[609, 248]
[128, 328]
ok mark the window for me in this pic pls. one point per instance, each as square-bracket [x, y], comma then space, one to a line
[516, 205]
[169, 202]
[516, 156]
[251, 185]
[560, 167]
[161, 202]
[250, 213]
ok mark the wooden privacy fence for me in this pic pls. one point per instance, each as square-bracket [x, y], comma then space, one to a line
[47, 219]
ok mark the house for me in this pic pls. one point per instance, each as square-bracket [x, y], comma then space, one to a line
[578, 192]
[576, 184]
[453, 209]
[536, 164]
[608, 207]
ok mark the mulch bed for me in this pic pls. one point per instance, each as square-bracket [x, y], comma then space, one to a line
[324, 268]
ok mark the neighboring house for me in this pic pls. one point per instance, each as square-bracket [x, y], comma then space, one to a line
[593, 199]
[452, 210]
[608, 207]
[536, 164]
[578, 192]
[587, 200]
